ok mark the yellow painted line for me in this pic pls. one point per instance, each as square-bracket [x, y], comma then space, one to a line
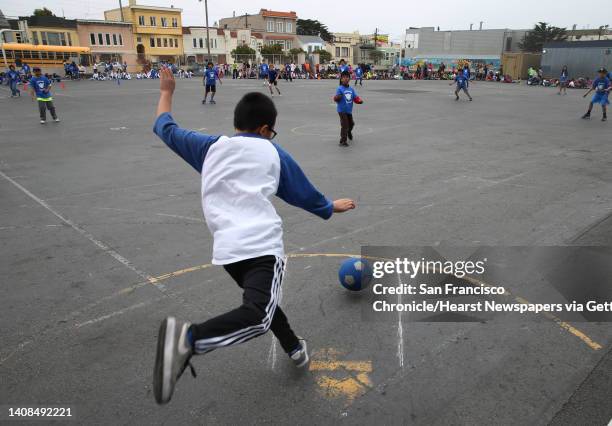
[361, 366]
[341, 379]
[563, 324]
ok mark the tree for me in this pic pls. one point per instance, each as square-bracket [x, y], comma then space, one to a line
[296, 51]
[542, 33]
[43, 12]
[312, 27]
[376, 55]
[274, 49]
[324, 56]
[243, 50]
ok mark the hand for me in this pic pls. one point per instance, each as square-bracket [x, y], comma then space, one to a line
[343, 205]
[167, 84]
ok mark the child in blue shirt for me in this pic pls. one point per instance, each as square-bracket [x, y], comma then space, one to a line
[601, 86]
[273, 80]
[462, 84]
[13, 79]
[345, 97]
[359, 75]
[211, 76]
[41, 90]
[240, 176]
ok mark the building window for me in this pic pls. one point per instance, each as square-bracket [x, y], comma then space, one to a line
[115, 39]
[152, 42]
[175, 22]
[158, 41]
[279, 27]
[195, 42]
[270, 26]
[337, 51]
[289, 27]
[141, 20]
[508, 44]
[201, 43]
[288, 44]
[108, 39]
[165, 42]
[152, 21]
[100, 39]
[345, 51]
[138, 39]
[35, 37]
[69, 39]
[176, 42]
[171, 41]
[121, 40]
[164, 22]
[92, 39]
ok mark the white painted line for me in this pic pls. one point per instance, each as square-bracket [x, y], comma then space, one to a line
[400, 329]
[196, 219]
[102, 246]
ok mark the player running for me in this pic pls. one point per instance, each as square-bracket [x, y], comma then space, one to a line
[601, 86]
[462, 84]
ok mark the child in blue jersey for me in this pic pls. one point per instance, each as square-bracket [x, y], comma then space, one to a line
[211, 76]
[462, 84]
[342, 67]
[240, 175]
[263, 72]
[345, 97]
[13, 79]
[602, 86]
[273, 80]
[359, 75]
[41, 91]
[563, 80]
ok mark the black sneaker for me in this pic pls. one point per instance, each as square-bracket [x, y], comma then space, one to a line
[300, 356]
[173, 355]
[350, 136]
[203, 101]
[586, 116]
[604, 118]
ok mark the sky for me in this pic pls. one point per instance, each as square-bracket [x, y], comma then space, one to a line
[391, 18]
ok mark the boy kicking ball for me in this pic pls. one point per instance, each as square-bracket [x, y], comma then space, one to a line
[344, 97]
[240, 174]
[211, 76]
[41, 91]
[601, 86]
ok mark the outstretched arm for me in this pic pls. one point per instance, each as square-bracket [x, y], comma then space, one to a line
[167, 84]
[189, 145]
[295, 188]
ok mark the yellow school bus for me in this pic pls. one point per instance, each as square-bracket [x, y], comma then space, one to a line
[45, 56]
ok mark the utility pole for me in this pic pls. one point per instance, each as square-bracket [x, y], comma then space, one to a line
[207, 30]
[121, 9]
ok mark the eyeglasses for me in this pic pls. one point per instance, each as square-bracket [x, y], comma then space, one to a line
[274, 133]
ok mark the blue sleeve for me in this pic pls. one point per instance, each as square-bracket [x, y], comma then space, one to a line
[295, 188]
[189, 145]
[339, 91]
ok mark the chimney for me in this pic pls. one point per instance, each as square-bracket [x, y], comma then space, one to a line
[481, 22]
[471, 27]
[234, 14]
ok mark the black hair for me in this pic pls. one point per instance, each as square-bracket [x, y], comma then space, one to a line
[209, 64]
[345, 74]
[253, 111]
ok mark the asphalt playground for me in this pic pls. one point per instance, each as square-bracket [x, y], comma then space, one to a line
[102, 236]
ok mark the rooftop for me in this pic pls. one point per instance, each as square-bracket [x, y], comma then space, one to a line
[276, 14]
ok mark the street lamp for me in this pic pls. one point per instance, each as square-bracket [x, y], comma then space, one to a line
[207, 31]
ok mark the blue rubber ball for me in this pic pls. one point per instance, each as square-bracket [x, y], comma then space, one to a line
[355, 274]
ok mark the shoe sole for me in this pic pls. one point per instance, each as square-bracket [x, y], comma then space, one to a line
[162, 380]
